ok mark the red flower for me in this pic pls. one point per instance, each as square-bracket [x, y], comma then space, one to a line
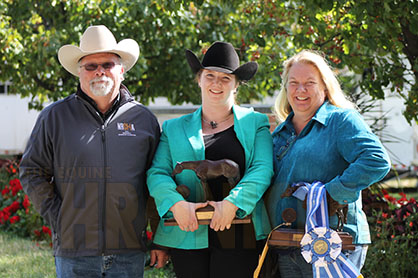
[14, 219]
[46, 230]
[6, 214]
[403, 200]
[26, 202]
[388, 197]
[5, 191]
[411, 224]
[14, 206]
[37, 233]
[14, 182]
[149, 235]
[384, 215]
[16, 186]
[10, 168]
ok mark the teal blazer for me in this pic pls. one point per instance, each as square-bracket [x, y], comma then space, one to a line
[182, 140]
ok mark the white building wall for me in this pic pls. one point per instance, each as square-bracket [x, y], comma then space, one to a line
[16, 123]
[403, 151]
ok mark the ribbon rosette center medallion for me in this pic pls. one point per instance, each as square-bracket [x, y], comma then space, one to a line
[321, 246]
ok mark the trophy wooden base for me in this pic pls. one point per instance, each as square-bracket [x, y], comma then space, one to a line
[204, 216]
[292, 238]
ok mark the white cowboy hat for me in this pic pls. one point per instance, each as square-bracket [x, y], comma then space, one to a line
[98, 39]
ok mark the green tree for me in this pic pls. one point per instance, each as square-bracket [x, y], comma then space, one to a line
[376, 39]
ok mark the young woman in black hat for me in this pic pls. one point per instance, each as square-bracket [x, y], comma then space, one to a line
[219, 129]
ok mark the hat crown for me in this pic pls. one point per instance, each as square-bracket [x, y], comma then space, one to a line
[222, 55]
[97, 37]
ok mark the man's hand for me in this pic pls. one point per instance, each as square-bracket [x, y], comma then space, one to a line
[159, 258]
[185, 215]
[223, 215]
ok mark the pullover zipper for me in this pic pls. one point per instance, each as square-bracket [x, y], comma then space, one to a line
[102, 131]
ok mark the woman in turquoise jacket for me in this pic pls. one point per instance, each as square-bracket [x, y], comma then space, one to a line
[321, 138]
[219, 129]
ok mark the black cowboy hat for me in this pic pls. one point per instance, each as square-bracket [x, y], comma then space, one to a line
[221, 56]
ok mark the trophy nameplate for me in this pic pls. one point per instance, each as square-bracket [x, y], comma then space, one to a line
[204, 216]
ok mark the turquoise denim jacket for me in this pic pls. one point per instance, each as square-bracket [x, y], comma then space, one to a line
[182, 140]
[336, 148]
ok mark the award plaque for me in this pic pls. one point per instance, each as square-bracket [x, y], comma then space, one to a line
[292, 237]
[284, 237]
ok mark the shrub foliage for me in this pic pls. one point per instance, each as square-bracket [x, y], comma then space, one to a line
[17, 214]
[394, 230]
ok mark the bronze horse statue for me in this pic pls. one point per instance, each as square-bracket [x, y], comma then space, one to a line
[210, 169]
[333, 207]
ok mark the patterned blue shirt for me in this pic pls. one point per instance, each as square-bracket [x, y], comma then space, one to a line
[336, 148]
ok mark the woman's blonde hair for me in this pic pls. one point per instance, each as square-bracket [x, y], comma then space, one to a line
[334, 94]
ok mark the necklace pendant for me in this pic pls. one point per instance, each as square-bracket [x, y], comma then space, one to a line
[213, 124]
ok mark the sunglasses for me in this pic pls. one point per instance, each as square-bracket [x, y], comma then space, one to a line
[94, 66]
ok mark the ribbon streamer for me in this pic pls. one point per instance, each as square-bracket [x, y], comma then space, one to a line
[321, 246]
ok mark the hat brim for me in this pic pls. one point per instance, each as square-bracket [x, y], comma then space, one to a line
[244, 72]
[70, 55]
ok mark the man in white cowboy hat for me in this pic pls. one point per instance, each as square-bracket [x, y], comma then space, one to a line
[85, 163]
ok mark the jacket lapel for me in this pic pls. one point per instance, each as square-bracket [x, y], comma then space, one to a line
[193, 129]
[244, 129]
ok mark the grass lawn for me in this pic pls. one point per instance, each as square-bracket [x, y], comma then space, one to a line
[21, 257]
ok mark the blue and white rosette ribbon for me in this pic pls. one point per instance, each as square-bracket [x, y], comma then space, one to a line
[320, 245]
